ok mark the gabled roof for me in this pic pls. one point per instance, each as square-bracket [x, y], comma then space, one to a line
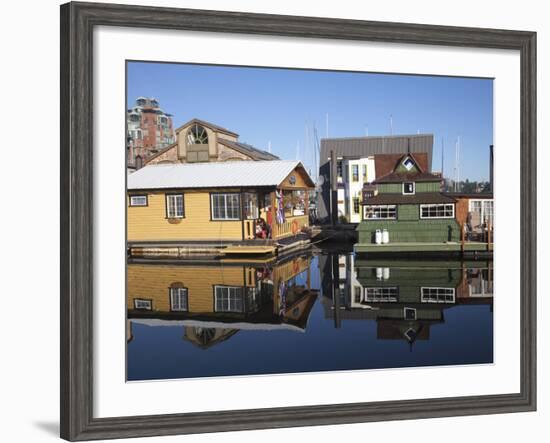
[214, 174]
[398, 177]
[159, 153]
[246, 149]
[208, 125]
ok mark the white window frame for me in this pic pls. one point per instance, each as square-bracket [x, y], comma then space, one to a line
[148, 304]
[225, 194]
[175, 214]
[353, 177]
[233, 293]
[133, 202]
[438, 217]
[408, 193]
[381, 294]
[483, 203]
[380, 206]
[437, 294]
[176, 296]
[405, 309]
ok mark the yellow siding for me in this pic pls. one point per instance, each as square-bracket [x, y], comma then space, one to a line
[149, 223]
[153, 283]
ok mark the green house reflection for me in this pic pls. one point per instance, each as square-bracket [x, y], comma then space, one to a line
[404, 297]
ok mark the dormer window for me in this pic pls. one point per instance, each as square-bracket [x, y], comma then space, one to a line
[197, 135]
[408, 188]
[408, 163]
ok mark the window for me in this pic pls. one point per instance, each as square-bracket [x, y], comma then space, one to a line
[140, 303]
[444, 210]
[408, 188]
[250, 205]
[174, 206]
[197, 135]
[138, 200]
[355, 173]
[408, 163]
[356, 205]
[409, 313]
[381, 295]
[339, 168]
[380, 212]
[437, 295]
[364, 172]
[483, 209]
[178, 300]
[228, 299]
[226, 206]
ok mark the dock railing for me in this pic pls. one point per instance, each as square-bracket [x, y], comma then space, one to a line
[291, 226]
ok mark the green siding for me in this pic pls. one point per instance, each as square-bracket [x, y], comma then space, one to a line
[390, 188]
[428, 187]
[436, 230]
[397, 188]
[408, 212]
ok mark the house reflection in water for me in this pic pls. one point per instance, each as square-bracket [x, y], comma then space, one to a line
[212, 302]
[404, 297]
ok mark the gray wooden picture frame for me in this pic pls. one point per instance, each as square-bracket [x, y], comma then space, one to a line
[77, 24]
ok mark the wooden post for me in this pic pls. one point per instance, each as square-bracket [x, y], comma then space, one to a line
[273, 216]
[306, 207]
[462, 237]
[333, 187]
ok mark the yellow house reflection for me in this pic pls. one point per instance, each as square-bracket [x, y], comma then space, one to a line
[213, 301]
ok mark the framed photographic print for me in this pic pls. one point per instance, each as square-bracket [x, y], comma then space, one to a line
[316, 221]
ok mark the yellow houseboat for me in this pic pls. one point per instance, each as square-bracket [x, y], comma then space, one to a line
[217, 209]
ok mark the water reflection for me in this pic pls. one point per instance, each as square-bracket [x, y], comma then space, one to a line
[214, 301]
[305, 313]
[405, 298]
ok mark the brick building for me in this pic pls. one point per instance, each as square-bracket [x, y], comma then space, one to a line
[149, 130]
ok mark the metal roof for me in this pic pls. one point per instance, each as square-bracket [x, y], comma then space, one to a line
[357, 147]
[212, 175]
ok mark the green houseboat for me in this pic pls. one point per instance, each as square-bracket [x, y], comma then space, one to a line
[405, 211]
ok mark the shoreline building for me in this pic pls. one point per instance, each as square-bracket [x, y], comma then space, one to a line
[218, 208]
[199, 141]
[356, 165]
[149, 129]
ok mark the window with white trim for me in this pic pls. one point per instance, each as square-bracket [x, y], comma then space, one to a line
[179, 300]
[174, 206]
[226, 206]
[437, 295]
[439, 210]
[141, 303]
[409, 313]
[138, 200]
[380, 212]
[381, 294]
[228, 299]
[355, 173]
[408, 188]
[356, 205]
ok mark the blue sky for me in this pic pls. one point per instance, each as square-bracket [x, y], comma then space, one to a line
[274, 105]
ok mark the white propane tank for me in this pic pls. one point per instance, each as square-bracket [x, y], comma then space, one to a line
[385, 236]
[378, 237]
[379, 273]
[386, 273]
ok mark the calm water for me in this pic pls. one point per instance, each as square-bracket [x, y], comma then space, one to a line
[308, 313]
